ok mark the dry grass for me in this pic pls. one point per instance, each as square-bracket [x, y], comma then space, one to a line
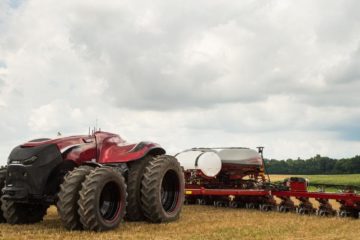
[202, 222]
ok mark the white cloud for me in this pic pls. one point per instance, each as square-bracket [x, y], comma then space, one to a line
[275, 73]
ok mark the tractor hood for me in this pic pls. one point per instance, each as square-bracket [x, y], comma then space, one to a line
[102, 147]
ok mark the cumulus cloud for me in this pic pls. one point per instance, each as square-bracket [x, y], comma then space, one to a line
[204, 73]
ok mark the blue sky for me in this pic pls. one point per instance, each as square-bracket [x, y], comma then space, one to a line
[281, 74]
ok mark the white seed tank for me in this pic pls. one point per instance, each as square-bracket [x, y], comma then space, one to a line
[240, 156]
[210, 160]
[209, 163]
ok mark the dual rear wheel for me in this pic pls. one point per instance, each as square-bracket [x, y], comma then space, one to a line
[162, 190]
[97, 198]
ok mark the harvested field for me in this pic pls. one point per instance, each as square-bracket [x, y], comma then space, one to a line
[202, 222]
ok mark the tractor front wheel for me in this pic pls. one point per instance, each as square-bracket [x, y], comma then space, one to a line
[23, 213]
[102, 200]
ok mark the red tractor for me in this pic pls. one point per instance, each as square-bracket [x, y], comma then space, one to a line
[95, 181]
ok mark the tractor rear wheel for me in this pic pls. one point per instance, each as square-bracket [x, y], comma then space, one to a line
[162, 191]
[135, 176]
[69, 195]
[23, 213]
[102, 201]
[2, 184]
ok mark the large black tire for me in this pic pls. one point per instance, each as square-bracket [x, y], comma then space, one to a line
[69, 195]
[2, 184]
[135, 176]
[23, 213]
[162, 191]
[102, 202]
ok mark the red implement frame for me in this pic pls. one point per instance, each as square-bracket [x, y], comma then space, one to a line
[349, 201]
[239, 192]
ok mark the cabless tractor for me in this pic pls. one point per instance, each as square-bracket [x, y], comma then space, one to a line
[93, 179]
[235, 177]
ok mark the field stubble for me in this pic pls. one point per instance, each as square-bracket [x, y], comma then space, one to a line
[202, 222]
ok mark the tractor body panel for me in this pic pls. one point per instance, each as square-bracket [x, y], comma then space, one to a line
[112, 149]
[101, 147]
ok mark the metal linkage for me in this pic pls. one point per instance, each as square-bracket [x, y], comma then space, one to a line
[221, 203]
[325, 209]
[251, 205]
[233, 204]
[305, 207]
[348, 211]
[200, 201]
[268, 204]
[286, 205]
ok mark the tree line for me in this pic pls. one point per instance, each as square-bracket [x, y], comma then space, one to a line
[314, 165]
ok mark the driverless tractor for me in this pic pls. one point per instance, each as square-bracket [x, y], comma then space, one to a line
[95, 181]
[236, 177]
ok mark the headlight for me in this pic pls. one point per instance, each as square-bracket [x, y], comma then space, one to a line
[14, 161]
[25, 162]
[29, 160]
